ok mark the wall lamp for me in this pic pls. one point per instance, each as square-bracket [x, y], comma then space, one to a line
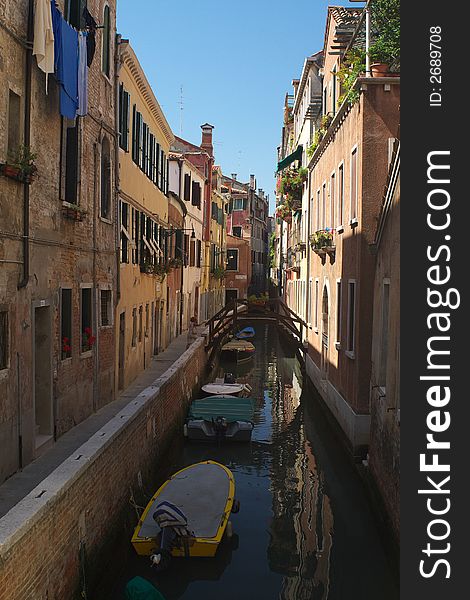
[172, 230]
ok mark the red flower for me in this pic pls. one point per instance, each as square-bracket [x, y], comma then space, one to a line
[88, 331]
[91, 340]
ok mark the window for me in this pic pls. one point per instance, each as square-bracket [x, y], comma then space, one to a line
[187, 187]
[323, 201]
[73, 13]
[384, 334]
[66, 322]
[238, 204]
[196, 194]
[338, 311]
[237, 231]
[332, 200]
[86, 341]
[124, 114]
[140, 323]
[105, 60]
[192, 253]
[340, 194]
[198, 253]
[318, 226]
[315, 323]
[353, 186]
[351, 316]
[3, 339]
[13, 122]
[71, 157]
[125, 236]
[309, 303]
[134, 326]
[105, 203]
[147, 320]
[232, 259]
[106, 308]
[334, 91]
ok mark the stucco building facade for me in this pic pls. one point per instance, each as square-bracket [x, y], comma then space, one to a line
[143, 321]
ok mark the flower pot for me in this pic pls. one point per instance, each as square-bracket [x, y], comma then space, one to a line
[12, 172]
[379, 70]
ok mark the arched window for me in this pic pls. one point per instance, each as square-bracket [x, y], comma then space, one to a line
[105, 204]
[105, 59]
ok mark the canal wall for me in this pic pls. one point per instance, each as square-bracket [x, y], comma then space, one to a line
[54, 542]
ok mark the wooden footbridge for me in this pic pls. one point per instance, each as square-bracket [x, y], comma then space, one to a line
[239, 313]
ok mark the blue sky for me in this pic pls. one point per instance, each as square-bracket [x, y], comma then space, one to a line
[235, 62]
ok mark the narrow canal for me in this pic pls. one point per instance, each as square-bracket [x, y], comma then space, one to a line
[305, 529]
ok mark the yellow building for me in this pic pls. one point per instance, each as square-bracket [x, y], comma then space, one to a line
[215, 248]
[144, 139]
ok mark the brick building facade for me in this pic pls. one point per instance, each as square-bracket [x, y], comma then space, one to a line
[57, 242]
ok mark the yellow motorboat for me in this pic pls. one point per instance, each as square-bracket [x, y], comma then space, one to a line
[188, 514]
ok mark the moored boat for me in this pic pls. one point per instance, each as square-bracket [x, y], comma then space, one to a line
[238, 350]
[245, 333]
[188, 514]
[220, 418]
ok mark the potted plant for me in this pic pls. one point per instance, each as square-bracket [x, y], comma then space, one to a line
[88, 339]
[73, 212]
[380, 56]
[321, 239]
[353, 67]
[147, 267]
[218, 272]
[20, 165]
[160, 270]
[385, 25]
[175, 263]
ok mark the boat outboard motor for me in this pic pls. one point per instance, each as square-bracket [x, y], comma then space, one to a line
[173, 523]
[220, 427]
[229, 378]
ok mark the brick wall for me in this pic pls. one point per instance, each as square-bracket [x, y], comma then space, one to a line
[83, 504]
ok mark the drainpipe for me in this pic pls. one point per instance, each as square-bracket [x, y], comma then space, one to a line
[27, 140]
[95, 290]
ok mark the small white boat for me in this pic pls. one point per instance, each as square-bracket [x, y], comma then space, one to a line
[226, 389]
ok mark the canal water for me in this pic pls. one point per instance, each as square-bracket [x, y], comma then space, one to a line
[305, 529]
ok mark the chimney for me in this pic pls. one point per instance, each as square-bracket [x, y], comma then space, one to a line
[206, 143]
[252, 182]
[234, 176]
[260, 193]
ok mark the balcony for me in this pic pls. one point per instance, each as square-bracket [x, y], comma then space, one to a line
[322, 242]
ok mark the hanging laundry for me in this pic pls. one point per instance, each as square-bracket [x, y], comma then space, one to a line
[82, 75]
[91, 25]
[43, 46]
[67, 70]
[57, 28]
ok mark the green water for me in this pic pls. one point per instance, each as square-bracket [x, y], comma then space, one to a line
[305, 529]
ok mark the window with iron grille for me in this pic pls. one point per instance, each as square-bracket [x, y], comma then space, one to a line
[106, 308]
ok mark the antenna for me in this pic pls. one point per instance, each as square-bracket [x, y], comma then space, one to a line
[181, 105]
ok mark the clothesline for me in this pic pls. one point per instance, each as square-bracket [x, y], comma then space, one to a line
[62, 49]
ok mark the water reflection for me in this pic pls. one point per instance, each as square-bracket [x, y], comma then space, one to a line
[305, 530]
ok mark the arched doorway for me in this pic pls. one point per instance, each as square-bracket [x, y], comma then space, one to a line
[324, 337]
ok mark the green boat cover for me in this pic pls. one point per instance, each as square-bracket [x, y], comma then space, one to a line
[229, 407]
[139, 588]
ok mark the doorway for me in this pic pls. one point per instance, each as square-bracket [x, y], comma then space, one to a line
[121, 359]
[230, 295]
[43, 407]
